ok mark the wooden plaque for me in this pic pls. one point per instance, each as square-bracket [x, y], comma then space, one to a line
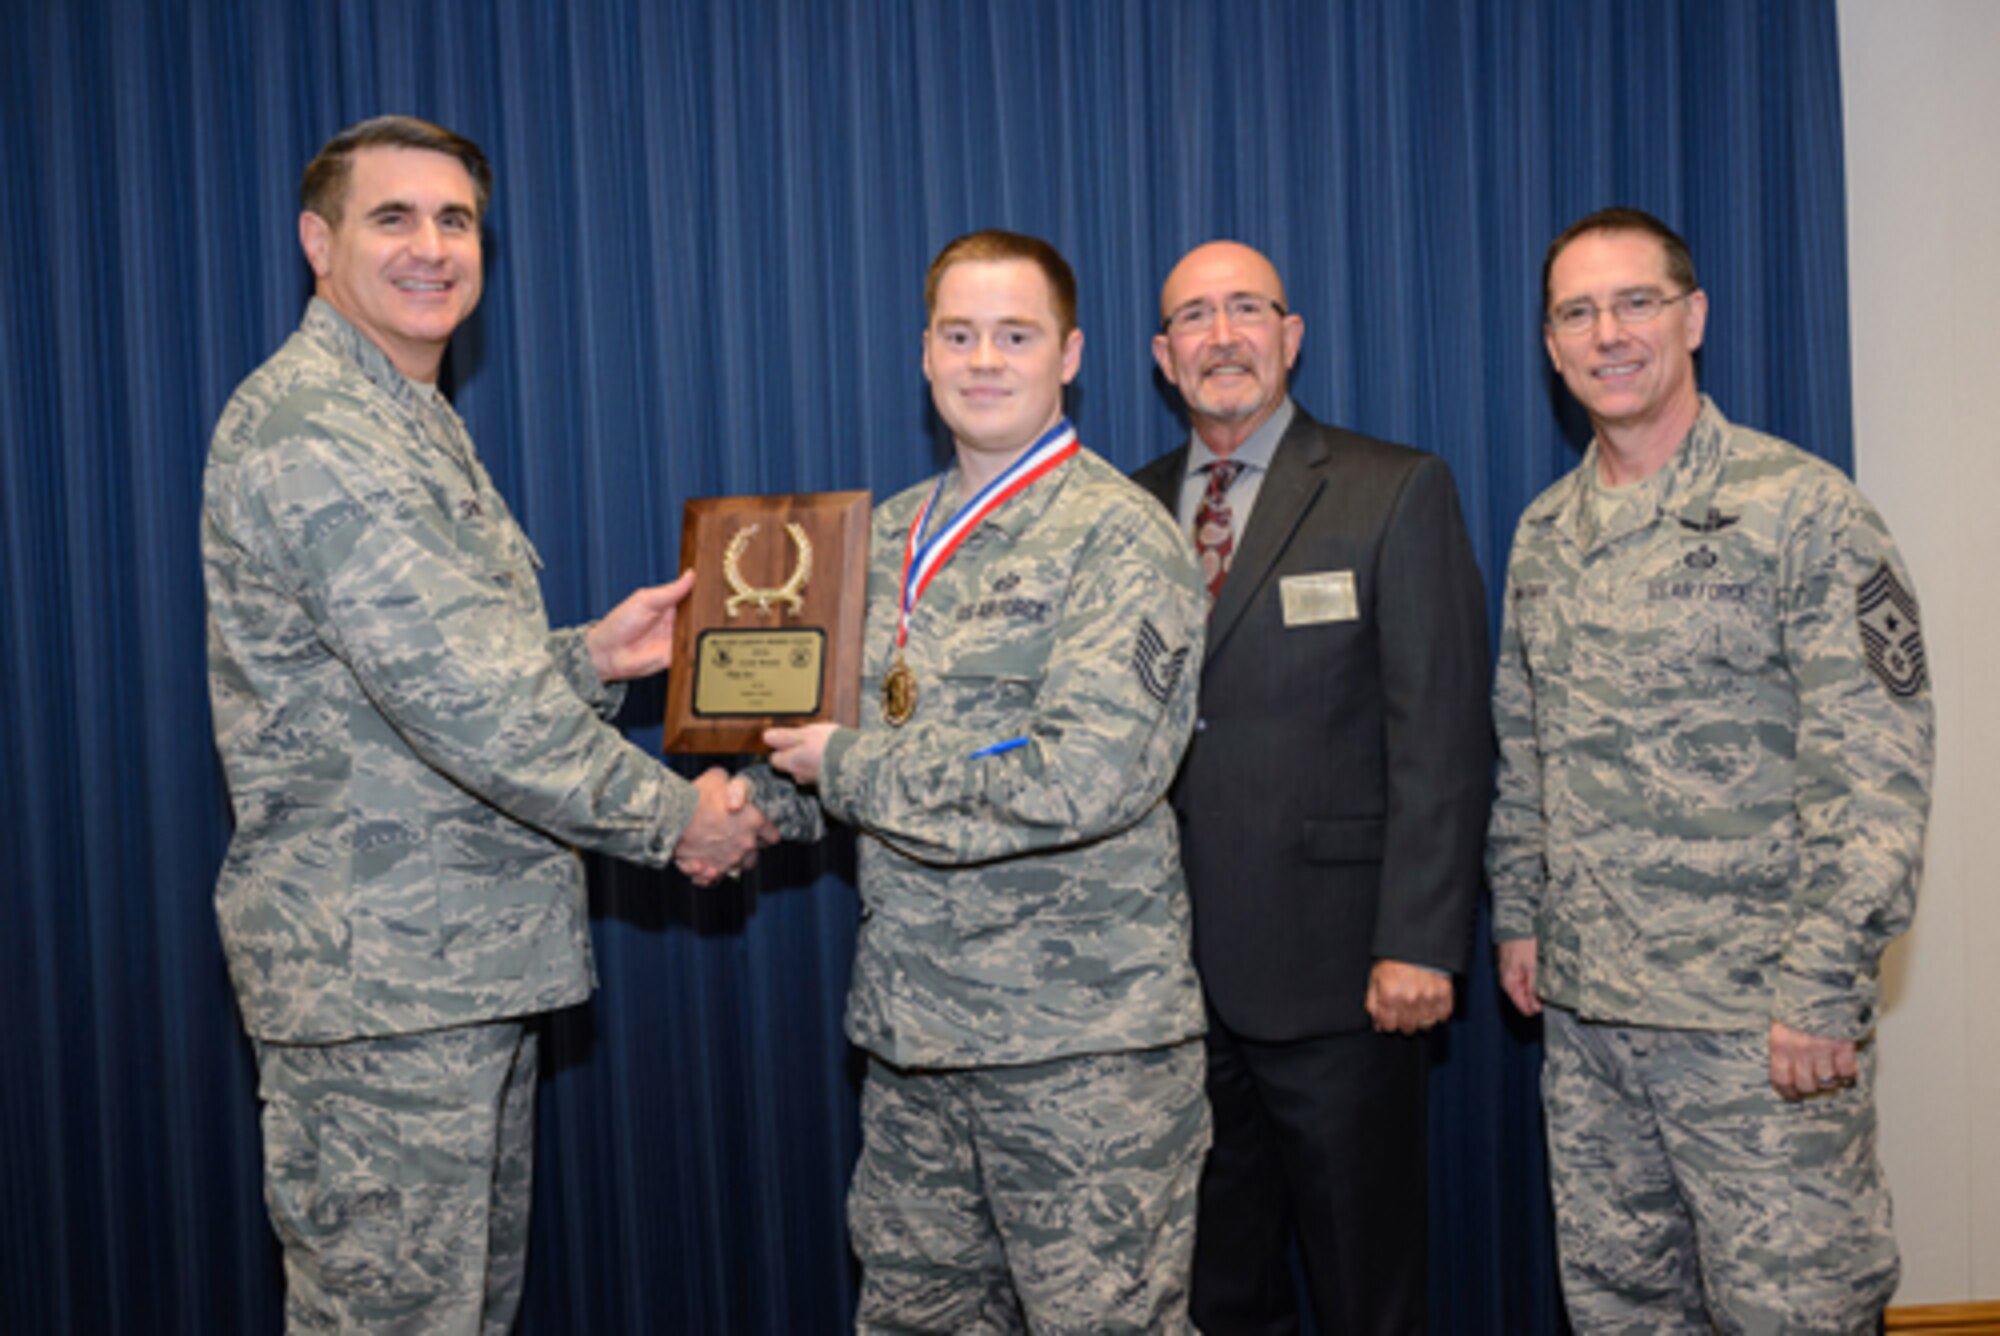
[772, 632]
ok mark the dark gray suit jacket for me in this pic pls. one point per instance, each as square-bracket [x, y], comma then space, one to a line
[1333, 802]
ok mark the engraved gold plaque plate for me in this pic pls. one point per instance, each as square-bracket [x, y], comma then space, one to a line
[757, 673]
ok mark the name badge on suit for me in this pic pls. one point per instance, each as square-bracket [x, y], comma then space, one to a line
[1318, 597]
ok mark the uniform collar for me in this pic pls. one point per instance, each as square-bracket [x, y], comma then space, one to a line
[1684, 488]
[1015, 517]
[333, 331]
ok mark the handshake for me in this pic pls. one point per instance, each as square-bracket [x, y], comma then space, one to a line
[726, 831]
[636, 639]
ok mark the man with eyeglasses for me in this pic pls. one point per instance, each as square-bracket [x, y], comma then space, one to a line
[1331, 807]
[1715, 753]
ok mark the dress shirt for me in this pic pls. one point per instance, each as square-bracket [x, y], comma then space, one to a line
[1254, 455]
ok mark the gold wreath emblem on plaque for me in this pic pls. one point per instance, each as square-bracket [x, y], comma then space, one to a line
[791, 593]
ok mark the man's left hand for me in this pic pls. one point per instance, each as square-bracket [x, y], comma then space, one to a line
[636, 638]
[1804, 1064]
[798, 751]
[1407, 999]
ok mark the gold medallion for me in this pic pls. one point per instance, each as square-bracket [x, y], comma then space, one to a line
[899, 693]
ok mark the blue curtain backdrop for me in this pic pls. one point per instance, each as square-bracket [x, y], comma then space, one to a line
[705, 266]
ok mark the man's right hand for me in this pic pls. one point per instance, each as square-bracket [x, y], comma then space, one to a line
[1517, 975]
[726, 831]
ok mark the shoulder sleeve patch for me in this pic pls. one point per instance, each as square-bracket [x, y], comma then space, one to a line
[1890, 638]
[1157, 666]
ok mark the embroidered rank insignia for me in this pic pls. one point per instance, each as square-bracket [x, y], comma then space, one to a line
[1158, 668]
[1890, 638]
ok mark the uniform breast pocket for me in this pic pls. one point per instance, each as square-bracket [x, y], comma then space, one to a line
[1543, 642]
[1712, 597]
[1714, 644]
[1725, 627]
[987, 699]
[498, 550]
[1746, 636]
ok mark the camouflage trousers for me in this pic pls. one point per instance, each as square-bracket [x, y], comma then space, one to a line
[1690, 1197]
[397, 1175]
[1054, 1197]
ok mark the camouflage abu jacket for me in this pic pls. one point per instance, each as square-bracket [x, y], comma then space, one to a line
[1029, 904]
[408, 747]
[1715, 743]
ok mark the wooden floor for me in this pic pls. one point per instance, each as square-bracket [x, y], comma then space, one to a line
[1982, 1319]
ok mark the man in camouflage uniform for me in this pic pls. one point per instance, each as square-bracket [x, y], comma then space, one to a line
[410, 753]
[1033, 1120]
[1715, 742]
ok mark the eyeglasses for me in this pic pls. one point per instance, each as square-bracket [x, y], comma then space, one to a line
[1245, 309]
[1634, 306]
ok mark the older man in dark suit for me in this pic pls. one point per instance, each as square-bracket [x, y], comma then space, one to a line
[1332, 809]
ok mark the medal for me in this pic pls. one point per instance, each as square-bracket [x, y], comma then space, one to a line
[922, 560]
[899, 693]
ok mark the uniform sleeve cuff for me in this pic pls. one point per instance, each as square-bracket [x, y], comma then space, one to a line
[676, 811]
[1844, 1015]
[832, 793]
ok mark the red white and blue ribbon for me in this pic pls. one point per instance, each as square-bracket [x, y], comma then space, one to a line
[923, 560]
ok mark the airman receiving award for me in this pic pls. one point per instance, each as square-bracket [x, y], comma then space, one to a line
[772, 631]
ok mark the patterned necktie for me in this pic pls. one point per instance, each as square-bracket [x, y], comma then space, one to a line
[1213, 539]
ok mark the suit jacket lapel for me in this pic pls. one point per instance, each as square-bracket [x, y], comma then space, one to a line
[1297, 474]
[1163, 479]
